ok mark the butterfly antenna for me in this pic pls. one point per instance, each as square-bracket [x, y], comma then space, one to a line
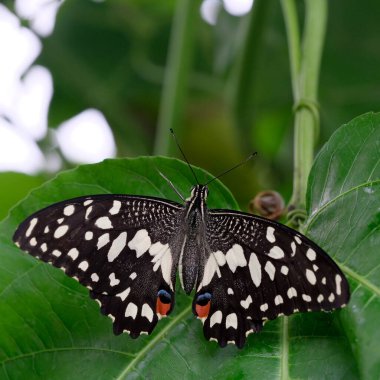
[183, 155]
[171, 185]
[233, 168]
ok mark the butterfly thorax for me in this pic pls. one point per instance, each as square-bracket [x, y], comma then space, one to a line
[192, 255]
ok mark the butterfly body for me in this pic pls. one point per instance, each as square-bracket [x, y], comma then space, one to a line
[127, 250]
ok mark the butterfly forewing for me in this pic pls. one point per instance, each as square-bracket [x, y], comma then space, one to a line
[126, 250]
[258, 270]
[105, 242]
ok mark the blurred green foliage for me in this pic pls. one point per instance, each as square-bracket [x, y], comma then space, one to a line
[111, 55]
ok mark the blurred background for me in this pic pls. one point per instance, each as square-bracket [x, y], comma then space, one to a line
[81, 81]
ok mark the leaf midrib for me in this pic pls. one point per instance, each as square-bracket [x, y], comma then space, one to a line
[60, 349]
[327, 204]
[152, 342]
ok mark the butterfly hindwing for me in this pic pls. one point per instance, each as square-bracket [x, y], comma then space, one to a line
[126, 250]
[258, 270]
[117, 246]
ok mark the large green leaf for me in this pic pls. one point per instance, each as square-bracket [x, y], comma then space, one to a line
[344, 209]
[50, 328]
[20, 184]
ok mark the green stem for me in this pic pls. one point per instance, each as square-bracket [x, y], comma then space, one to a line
[305, 75]
[293, 35]
[176, 74]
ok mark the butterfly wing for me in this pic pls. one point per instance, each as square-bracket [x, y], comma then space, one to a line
[258, 270]
[115, 245]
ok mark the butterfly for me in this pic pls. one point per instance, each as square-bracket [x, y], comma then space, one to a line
[127, 251]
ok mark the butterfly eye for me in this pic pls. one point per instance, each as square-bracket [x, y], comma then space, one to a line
[164, 301]
[202, 305]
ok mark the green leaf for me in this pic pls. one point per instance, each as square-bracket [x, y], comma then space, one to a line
[50, 328]
[343, 204]
[20, 184]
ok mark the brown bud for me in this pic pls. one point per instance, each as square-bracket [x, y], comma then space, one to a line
[268, 204]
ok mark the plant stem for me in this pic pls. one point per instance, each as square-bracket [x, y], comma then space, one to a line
[293, 35]
[305, 66]
[176, 74]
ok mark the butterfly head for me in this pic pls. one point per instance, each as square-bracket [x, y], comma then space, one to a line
[198, 192]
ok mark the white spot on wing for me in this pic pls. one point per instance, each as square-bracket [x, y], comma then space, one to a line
[113, 280]
[231, 321]
[133, 275]
[46, 230]
[311, 277]
[162, 257]
[73, 253]
[88, 212]
[270, 235]
[255, 269]
[292, 292]
[230, 292]
[94, 277]
[88, 235]
[331, 297]
[115, 207]
[297, 239]
[284, 270]
[216, 318]
[264, 307]
[276, 252]
[320, 298]
[245, 303]
[83, 265]
[103, 240]
[140, 243]
[278, 300]
[104, 223]
[56, 253]
[211, 268]
[270, 269]
[306, 297]
[147, 312]
[69, 210]
[33, 242]
[32, 224]
[60, 231]
[43, 247]
[220, 258]
[310, 254]
[293, 247]
[235, 257]
[124, 294]
[88, 202]
[338, 281]
[324, 280]
[131, 310]
[117, 246]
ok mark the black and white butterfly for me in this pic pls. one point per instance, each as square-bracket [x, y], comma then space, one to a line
[127, 249]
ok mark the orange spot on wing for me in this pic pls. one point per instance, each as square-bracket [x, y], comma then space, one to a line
[162, 308]
[202, 311]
